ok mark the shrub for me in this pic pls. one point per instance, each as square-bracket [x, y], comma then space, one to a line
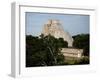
[84, 60]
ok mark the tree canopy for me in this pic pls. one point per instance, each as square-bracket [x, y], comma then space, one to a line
[44, 50]
[82, 41]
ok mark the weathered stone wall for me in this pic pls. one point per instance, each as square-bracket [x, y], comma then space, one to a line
[72, 52]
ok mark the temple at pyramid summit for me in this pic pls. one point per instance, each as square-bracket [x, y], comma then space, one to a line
[55, 28]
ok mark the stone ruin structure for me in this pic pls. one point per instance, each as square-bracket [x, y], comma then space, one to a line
[54, 28]
[72, 52]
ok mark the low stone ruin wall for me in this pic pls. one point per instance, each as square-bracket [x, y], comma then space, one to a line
[72, 52]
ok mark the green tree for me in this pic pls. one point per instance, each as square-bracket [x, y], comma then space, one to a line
[44, 50]
[82, 41]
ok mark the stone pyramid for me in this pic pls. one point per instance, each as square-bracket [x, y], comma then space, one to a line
[54, 28]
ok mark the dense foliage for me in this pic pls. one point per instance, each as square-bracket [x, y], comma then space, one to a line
[44, 51]
[82, 41]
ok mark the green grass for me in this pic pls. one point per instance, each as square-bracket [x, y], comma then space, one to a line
[70, 60]
[75, 61]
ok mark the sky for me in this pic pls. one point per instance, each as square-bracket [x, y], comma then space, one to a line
[72, 23]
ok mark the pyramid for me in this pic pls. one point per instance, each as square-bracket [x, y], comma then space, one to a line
[54, 28]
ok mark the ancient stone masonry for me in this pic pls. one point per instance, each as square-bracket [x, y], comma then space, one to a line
[72, 52]
[54, 28]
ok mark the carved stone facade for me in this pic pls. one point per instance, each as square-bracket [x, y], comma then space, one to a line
[54, 28]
